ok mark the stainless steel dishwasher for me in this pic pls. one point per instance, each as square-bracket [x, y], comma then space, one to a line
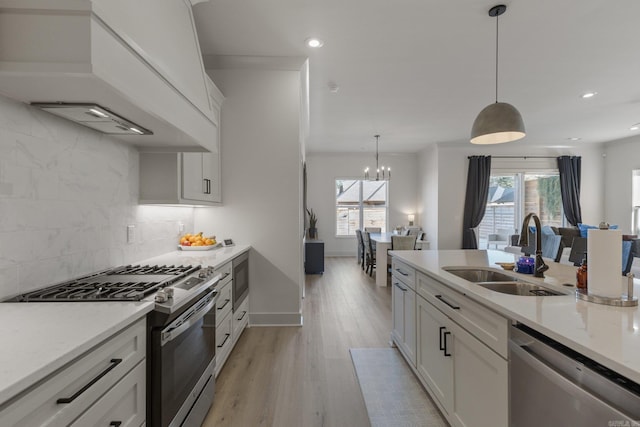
[552, 385]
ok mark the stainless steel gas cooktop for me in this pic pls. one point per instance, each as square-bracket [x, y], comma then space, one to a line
[126, 283]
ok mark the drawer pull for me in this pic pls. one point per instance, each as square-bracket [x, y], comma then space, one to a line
[402, 272]
[226, 337]
[113, 364]
[445, 344]
[226, 301]
[115, 423]
[243, 314]
[455, 307]
[442, 328]
[399, 287]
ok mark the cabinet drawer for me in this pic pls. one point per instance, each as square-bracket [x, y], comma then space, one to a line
[486, 325]
[125, 403]
[226, 274]
[403, 272]
[223, 303]
[224, 341]
[81, 382]
[240, 319]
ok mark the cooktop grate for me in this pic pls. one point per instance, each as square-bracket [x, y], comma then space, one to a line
[126, 283]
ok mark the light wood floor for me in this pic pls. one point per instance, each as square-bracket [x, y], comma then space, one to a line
[303, 376]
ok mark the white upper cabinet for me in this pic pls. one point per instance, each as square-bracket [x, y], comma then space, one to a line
[139, 59]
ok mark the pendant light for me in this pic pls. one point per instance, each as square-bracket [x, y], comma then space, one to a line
[498, 122]
[381, 173]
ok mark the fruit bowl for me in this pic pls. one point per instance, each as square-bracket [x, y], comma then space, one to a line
[198, 248]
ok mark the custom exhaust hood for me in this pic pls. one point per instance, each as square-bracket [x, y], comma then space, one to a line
[89, 62]
[93, 116]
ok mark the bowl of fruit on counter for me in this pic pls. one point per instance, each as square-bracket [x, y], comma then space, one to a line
[197, 242]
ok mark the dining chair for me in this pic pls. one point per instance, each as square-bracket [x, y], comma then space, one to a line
[361, 249]
[373, 229]
[370, 254]
[403, 243]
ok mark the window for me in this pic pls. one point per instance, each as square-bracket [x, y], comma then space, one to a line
[514, 195]
[360, 204]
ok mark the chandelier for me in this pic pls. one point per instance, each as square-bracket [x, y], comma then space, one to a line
[382, 174]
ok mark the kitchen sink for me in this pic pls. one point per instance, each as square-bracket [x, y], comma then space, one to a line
[500, 282]
[518, 288]
[479, 275]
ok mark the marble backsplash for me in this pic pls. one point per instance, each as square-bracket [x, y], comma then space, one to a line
[67, 194]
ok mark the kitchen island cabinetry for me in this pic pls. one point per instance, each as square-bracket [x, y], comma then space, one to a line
[403, 297]
[467, 379]
[106, 383]
[457, 347]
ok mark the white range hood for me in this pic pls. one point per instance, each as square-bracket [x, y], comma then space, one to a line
[71, 56]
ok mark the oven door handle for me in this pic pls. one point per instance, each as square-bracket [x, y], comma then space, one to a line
[186, 321]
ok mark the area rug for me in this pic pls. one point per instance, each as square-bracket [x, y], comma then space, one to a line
[392, 393]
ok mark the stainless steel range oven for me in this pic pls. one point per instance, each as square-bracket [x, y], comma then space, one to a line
[183, 351]
[181, 332]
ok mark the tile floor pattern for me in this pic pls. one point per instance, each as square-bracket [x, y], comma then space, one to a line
[392, 393]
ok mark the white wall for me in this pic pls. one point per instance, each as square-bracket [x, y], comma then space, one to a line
[67, 194]
[428, 205]
[622, 157]
[324, 169]
[452, 165]
[261, 179]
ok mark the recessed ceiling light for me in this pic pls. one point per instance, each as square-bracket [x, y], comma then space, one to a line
[574, 138]
[589, 95]
[635, 127]
[313, 42]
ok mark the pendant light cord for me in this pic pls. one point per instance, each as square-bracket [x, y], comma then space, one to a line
[497, 17]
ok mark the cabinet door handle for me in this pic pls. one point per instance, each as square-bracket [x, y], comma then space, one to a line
[442, 328]
[115, 423]
[243, 314]
[397, 285]
[445, 343]
[226, 337]
[204, 186]
[455, 307]
[226, 301]
[401, 272]
[112, 364]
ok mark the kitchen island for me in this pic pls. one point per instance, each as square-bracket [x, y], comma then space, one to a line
[458, 336]
[608, 335]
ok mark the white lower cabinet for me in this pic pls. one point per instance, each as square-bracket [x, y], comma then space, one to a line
[124, 405]
[404, 318]
[468, 380]
[106, 383]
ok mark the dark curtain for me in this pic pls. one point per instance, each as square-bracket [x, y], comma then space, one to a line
[569, 168]
[475, 202]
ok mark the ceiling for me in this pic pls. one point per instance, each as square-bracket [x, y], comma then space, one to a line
[417, 72]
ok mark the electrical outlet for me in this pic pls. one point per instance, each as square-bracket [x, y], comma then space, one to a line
[180, 228]
[131, 233]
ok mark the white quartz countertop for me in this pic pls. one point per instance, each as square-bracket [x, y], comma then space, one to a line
[39, 338]
[608, 335]
[211, 258]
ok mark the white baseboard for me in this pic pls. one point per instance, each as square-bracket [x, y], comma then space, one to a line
[341, 254]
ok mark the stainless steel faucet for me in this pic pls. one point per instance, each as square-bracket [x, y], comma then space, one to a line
[540, 267]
